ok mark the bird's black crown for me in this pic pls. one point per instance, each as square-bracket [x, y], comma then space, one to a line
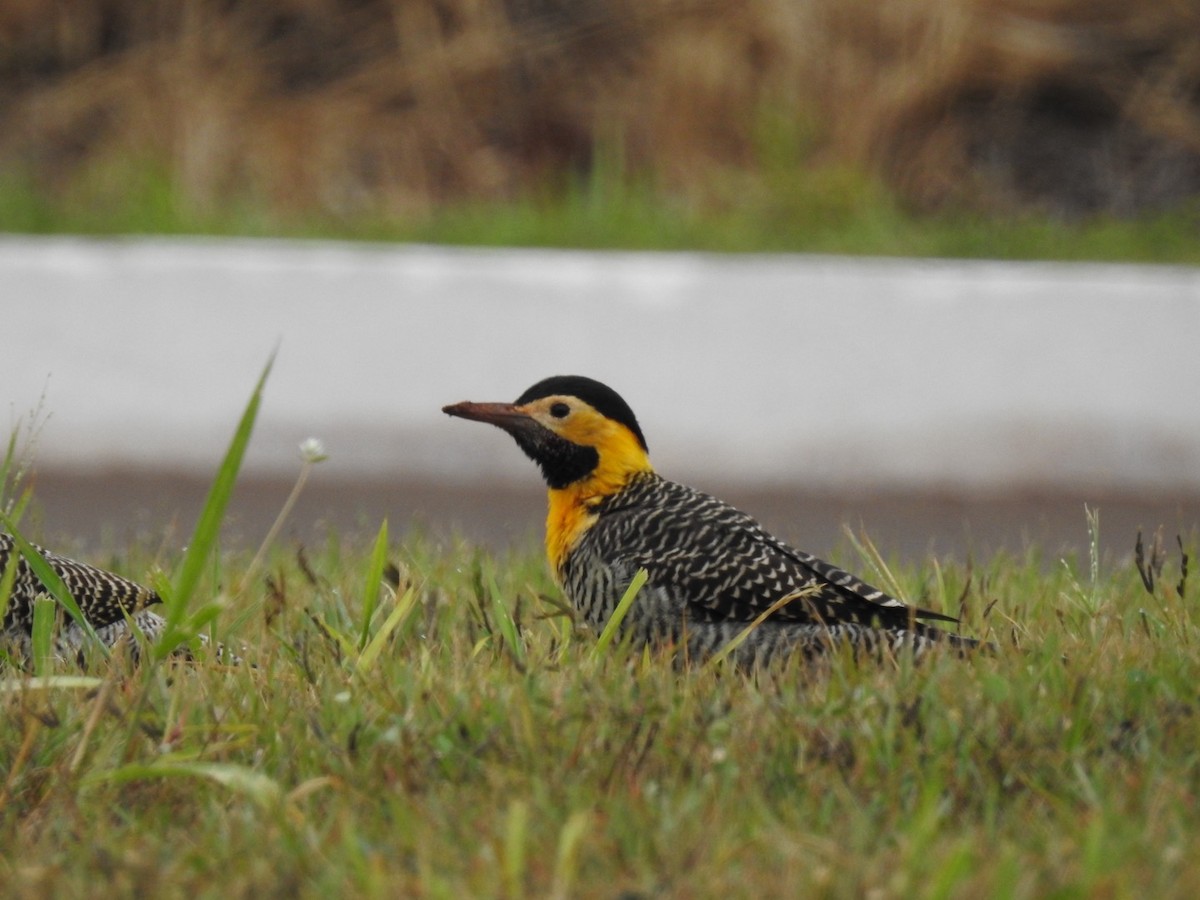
[599, 396]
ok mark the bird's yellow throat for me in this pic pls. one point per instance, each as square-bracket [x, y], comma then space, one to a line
[572, 508]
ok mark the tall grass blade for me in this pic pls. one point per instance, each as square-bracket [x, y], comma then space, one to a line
[516, 845]
[50, 683]
[614, 623]
[17, 461]
[41, 638]
[374, 581]
[397, 617]
[208, 526]
[869, 553]
[505, 623]
[740, 638]
[16, 508]
[566, 862]
[7, 580]
[241, 780]
[8, 480]
[1093, 528]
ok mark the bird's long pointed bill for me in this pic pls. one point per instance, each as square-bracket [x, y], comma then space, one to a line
[503, 415]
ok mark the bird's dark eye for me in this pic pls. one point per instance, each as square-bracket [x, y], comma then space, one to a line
[559, 410]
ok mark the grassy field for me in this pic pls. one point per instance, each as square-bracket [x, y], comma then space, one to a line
[423, 720]
[464, 740]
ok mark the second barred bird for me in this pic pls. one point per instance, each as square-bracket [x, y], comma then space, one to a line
[713, 571]
[119, 610]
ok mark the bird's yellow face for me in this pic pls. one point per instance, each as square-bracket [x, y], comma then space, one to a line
[584, 456]
[575, 444]
[620, 456]
[579, 423]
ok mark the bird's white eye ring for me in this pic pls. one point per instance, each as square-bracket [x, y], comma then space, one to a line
[559, 410]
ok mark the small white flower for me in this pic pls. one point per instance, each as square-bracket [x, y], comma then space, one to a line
[312, 450]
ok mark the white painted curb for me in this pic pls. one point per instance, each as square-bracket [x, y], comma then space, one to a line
[817, 371]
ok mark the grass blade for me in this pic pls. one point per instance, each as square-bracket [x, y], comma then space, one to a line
[208, 526]
[870, 555]
[41, 638]
[506, 625]
[740, 638]
[374, 580]
[241, 780]
[566, 863]
[398, 615]
[618, 616]
[16, 508]
[50, 683]
[6, 465]
[6, 583]
[516, 848]
[14, 468]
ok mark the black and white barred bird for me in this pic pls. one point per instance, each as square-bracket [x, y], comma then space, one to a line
[109, 602]
[713, 570]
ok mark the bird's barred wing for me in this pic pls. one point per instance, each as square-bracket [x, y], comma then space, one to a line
[723, 564]
[103, 598]
[852, 588]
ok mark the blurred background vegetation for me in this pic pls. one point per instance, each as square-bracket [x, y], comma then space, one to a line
[1061, 128]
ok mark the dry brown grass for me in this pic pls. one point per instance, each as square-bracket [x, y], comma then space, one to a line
[392, 108]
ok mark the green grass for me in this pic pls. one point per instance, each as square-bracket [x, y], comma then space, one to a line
[475, 745]
[830, 210]
[421, 719]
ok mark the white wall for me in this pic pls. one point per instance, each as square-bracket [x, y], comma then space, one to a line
[815, 370]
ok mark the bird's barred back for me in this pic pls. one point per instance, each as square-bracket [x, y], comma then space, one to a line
[713, 570]
[117, 609]
[103, 598]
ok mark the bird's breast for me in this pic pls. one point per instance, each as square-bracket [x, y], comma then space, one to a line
[569, 517]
